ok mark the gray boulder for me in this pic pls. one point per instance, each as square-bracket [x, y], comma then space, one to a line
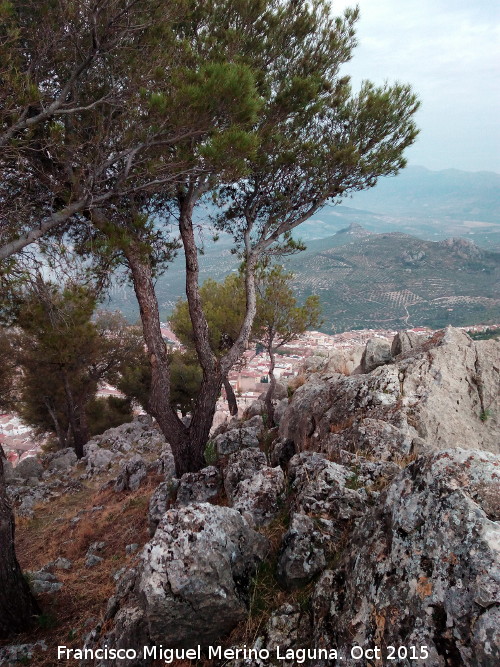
[259, 497]
[288, 627]
[62, 460]
[44, 582]
[29, 467]
[422, 568]
[97, 459]
[280, 392]
[255, 408]
[165, 464]
[374, 438]
[326, 489]
[8, 471]
[242, 465]
[344, 360]
[405, 341]
[139, 436]
[199, 487]
[159, 503]
[314, 364]
[377, 353]
[192, 584]
[236, 439]
[131, 474]
[279, 410]
[303, 554]
[58, 564]
[451, 391]
[21, 653]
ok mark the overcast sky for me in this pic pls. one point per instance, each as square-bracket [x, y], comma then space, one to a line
[449, 50]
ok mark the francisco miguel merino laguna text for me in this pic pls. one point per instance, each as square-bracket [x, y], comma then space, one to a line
[168, 655]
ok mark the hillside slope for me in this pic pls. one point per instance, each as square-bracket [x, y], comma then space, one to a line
[396, 280]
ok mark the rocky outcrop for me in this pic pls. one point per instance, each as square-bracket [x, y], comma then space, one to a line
[197, 487]
[235, 439]
[240, 466]
[61, 460]
[192, 582]
[376, 353]
[451, 391]
[303, 551]
[443, 392]
[132, 473]
[422, 568]
[404, 341]
[125, 454]
[382, 532]
[161, 499]
[259, 497]
[344, 360]
[29, 468]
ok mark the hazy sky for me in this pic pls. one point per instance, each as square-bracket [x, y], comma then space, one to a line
[449, 50]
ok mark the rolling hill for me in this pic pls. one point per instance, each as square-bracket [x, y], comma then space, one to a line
[387, 262]
[365, 280]
[396, 280]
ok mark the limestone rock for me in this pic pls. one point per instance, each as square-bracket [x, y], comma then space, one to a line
[132, 473]
[139, 436]
[444, 392]
[280, 392]
[20, 653]
[8, 471]
[288, 627]
[198, 487]
[281, 451]
[375, 438]
[192, 584]
[314, 364]
[259, 496]
[404, 341]
[377, 353]
[302, 553]
[344, 360]
[325, 489]
[422, 568]
[29, 467]
[159, 503]
[242, 465]
[451, 391]
[44, 582]
[236, 439]
[165, 464]
[62, 460]
[255, 408]
[97, 458]
[279, 410]
[58, 564]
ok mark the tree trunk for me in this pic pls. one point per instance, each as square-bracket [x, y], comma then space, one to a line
[270, 391]
[18, 607]
[159, 399]
[188, 444]
[61, 437]
[231, 398]
[77, 419]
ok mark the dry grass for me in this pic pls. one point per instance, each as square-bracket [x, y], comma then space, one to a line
[343, 425]
[72, 612]
[296, 382]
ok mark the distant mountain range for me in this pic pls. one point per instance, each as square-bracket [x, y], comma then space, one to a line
[383, 265]
[397, 281]
[432, 205]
